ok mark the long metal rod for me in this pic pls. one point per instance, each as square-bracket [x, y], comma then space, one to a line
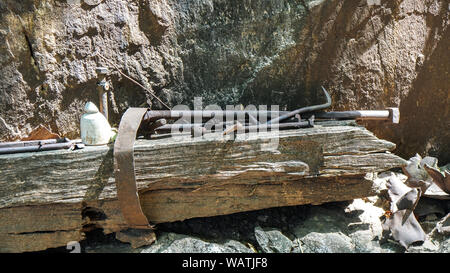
[36, 148]
[252, 114]
[378, 114]
[30, 143]
[246, 128]
[103, 98]
[177, 114]
[286, 125]
[189, 126]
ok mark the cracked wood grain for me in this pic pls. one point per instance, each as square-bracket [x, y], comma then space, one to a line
[182, 178]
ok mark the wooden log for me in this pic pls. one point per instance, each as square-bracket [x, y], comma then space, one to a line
[66, 193]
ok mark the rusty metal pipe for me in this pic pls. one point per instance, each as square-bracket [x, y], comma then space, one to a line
[188, 126]
[247, 128]
[16, 144]
[177, 114]
[284, 126]
[36, 148]
[103, 87]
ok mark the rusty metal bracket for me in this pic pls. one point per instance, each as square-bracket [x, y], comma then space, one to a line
[124, 169]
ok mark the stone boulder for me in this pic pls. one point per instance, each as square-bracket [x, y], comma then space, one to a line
[177, 243]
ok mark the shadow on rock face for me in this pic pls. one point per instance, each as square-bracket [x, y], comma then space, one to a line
[426, 109]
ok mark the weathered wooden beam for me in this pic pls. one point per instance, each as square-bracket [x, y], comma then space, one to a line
[179, 178]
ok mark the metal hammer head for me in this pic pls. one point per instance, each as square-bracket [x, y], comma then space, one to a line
[394, 115]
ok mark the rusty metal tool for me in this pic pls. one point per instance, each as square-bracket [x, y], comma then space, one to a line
[176, 127]
[156, 124]
[37, 146]
[157, 121]
[103, 87]
[124, 154]
[30, 143]
[177, 114]
[283, 126]
[124, 169]
[240, 128]
[233, 128]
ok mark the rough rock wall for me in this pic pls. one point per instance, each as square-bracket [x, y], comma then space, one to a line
[177, 49]
[228, 52]
[371, 57]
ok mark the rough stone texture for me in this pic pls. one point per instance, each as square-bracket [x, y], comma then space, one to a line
[445, 246]
[178, 49]
[272, 241]
[373, 57]
[366, 232]
[427, 247]
[176, 243]
[340, 229]
[229, 52]
[315, 242]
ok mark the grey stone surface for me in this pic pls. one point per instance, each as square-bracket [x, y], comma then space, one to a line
[343, 229]
[272, 240]
[177, 243]
[322, 219]
[365, 242]
[334, 242]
